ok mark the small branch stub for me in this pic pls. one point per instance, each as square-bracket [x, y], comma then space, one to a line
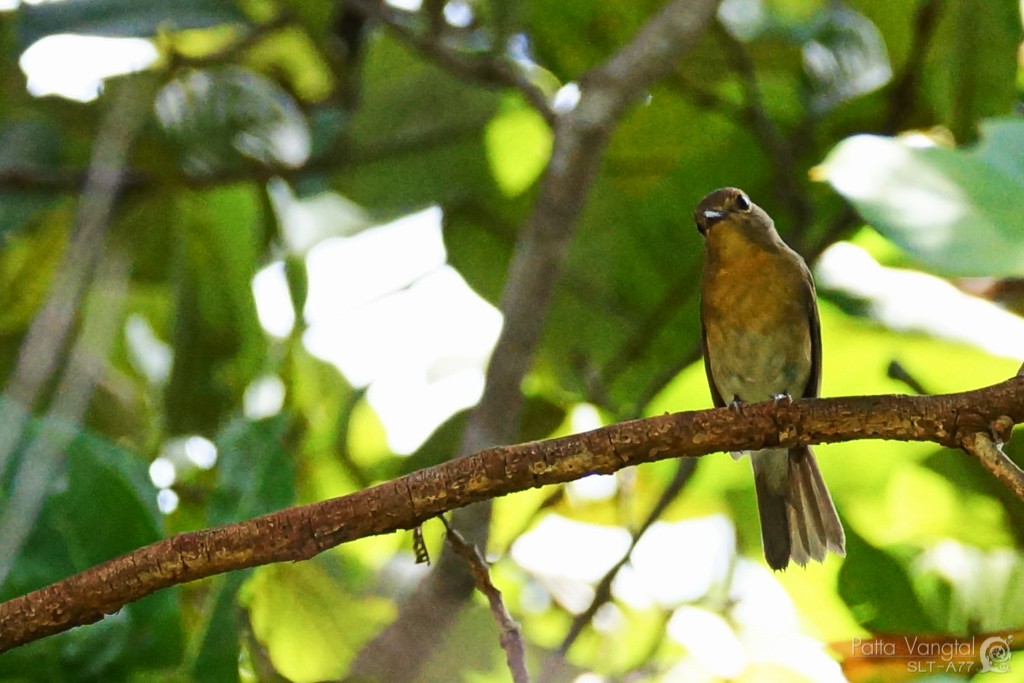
[511, 637]
[989, 451]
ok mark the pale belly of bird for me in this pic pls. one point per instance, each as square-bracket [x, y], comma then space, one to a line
[759, 365]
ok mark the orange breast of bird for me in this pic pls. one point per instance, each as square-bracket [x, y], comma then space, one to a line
[754, 307]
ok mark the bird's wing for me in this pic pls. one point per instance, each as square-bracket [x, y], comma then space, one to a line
[813, 387]
[715, 396]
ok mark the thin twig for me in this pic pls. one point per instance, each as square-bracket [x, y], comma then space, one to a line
[899, 373]
[603, 589]
[492, 69]
[989, 452]
[511, 636]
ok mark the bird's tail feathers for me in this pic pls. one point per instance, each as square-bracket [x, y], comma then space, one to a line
[770, 472]
[798, 519]
[814, 526]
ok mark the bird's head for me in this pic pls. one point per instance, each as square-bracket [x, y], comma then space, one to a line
[727, 204]
[727, 215]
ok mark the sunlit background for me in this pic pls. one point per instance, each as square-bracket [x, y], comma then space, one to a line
[386, 308]
[388, 311]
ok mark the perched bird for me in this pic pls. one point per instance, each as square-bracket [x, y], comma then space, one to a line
[761, 340]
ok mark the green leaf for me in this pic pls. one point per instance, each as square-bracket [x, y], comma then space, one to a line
[478, 236]
[967, 590]
[845, 57]
[323, 403]
[971, 69]
[292, 54]
[251, 120]
[518, 147]
[315, 18]
[117, 18]
[106, 508]
[878, 589]
[218, 342]
[980, 495]
[960, 212]
[573, 36]
[298, 285]
[896, 23]
[311, 626]
[255, 475]
[28, 261]
[94, 469]
[417, 137]
[217, 658]
[255, 472]
[948, 588]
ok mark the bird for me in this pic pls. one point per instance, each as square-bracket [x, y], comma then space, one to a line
[761, 340]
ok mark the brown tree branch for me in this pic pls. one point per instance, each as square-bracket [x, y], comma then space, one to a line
[580, 137]
[299, 533]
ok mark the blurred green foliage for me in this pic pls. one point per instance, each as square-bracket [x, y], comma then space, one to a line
[310, 92]
[956, 210]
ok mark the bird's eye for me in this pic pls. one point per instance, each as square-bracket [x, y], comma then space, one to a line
[742, 203]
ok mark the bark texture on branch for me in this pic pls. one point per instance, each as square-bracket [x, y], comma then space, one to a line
[580, 137]
[301, 532]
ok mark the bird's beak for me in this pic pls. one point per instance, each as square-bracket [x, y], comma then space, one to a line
[706, 218]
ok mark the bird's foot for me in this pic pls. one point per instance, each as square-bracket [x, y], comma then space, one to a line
[736, 406]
